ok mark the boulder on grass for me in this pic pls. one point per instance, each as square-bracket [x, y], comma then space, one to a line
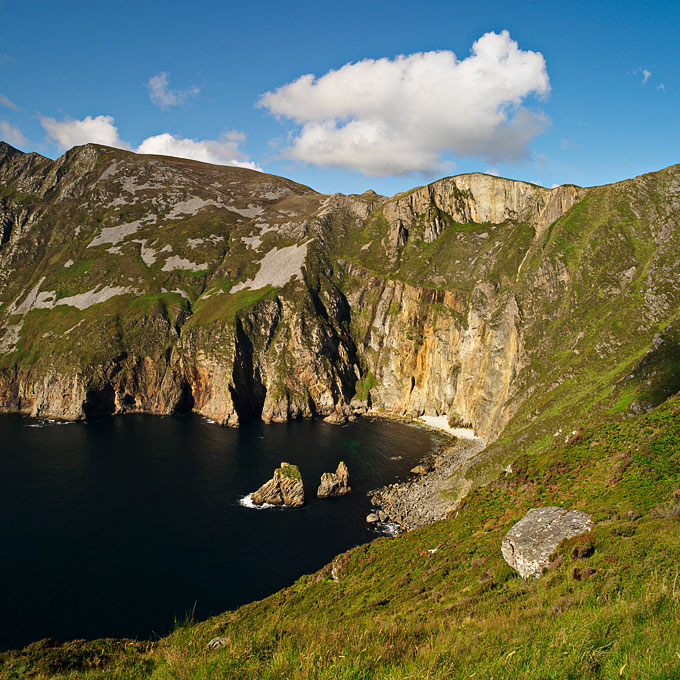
[528, 545]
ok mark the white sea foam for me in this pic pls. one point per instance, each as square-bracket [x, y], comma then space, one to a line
[389, 528]
[247, 502]
[46, 422]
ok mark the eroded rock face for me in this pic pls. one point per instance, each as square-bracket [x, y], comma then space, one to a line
[284, 488]
[241, 295]
[528, 545]
[480, 198]
[335, 483]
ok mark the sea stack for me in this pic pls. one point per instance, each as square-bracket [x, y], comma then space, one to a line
[334, 483]
[284, 488]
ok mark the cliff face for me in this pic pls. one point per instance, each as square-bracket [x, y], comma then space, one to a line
[481, 199]
[435, 352]
[135, 283]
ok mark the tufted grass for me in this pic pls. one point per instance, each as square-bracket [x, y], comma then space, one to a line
[440, 602]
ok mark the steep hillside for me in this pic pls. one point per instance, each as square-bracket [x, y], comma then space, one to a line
[149, 284]
[545, 319]
[134, 283]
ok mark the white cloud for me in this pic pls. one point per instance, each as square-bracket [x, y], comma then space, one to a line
[393, 116]
[102, 130]
[645, 75]
[12, 134]
[661, 86]
[96, 129]
[223, 151]
[163, 97]
[8, 103]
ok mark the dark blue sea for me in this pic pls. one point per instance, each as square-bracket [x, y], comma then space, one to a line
[121, 526]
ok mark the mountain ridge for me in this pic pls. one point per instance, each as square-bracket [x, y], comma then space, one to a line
[135, 285]
[267, 299]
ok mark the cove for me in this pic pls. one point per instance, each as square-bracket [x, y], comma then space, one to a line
[121, 526]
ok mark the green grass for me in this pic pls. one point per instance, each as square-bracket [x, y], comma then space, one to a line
[291, 471]
[440, 602]
[363, 387]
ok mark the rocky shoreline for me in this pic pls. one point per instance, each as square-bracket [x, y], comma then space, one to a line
[427, 497]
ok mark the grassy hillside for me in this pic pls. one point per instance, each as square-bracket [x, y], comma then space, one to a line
[440, 602]
[551, 325]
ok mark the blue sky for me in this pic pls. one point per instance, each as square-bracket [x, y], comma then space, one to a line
[582, 92]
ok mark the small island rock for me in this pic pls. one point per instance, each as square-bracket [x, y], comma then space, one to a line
[284, 488]
[528, 545]
[334, 483]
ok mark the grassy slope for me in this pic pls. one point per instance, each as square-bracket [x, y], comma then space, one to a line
[398, 610]
[440, 602]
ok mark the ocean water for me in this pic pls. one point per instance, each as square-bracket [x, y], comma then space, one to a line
[121, 526]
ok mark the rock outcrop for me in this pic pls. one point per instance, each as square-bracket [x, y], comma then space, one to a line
[284, 488]
[420, 469]
[480, 198]
[334, 483]
[529, 544]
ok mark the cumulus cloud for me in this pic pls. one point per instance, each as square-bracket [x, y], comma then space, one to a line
[96, 129]
[223, 151]
[12, 134]
[645, 75]
[8, 103]
[393, 116]
[163, 97]
[102, 130]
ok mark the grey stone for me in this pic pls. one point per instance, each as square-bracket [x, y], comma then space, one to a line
[528, 545]
[218, 642]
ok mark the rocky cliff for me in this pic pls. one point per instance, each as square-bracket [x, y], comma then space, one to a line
[136, 283]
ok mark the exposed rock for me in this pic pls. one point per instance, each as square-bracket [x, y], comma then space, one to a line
[284, 488]
[334, 483]
[218, 642]
[427, 498]
[420, 469]
[456, 299]
[340, 416]
[528, 545]
[372, 518]
[480, 198]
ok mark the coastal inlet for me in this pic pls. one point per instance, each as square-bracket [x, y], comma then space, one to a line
[120, 526]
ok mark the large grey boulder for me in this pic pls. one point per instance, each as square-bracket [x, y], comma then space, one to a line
[528, 545]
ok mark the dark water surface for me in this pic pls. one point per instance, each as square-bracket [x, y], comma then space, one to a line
[120, 526]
